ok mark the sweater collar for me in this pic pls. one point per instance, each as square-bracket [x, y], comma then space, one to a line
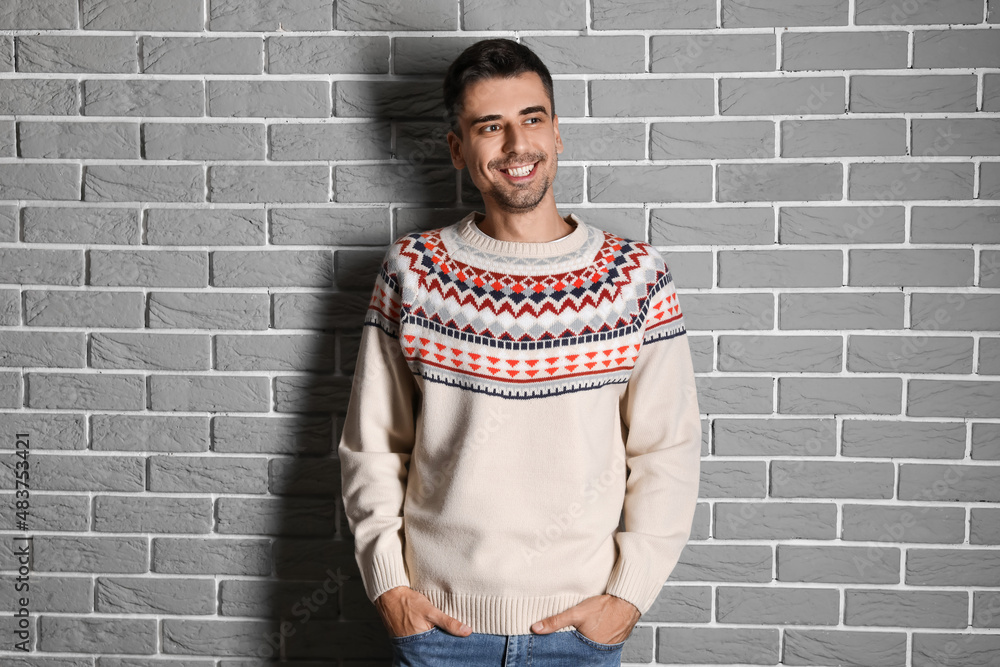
[472, 235]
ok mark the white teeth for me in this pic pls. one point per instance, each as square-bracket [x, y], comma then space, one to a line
[521, 171]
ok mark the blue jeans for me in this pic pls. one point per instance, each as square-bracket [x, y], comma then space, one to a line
[439, 648]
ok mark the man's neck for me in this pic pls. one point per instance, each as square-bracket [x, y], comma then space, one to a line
[537, 227]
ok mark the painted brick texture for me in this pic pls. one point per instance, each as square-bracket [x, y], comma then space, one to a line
[195, 196]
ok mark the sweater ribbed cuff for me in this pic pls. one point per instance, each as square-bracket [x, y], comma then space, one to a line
[385, 571]
[635, 583]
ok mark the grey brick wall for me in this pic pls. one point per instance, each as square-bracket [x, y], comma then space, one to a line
[194, 197]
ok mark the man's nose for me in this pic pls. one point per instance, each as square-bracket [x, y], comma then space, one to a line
[515, 139]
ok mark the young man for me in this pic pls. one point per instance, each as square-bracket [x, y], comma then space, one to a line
[523, 378]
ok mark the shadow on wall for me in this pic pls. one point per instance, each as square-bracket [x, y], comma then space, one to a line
[372, 205]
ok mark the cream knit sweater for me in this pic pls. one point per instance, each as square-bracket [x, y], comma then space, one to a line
[523, 429]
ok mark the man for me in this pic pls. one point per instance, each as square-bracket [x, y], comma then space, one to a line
[522, 378]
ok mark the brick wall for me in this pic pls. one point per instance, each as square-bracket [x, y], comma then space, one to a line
[195, 195]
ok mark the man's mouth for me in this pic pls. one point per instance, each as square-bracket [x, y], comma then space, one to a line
[517, 173]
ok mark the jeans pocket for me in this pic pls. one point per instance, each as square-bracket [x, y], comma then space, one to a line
[414, 637]
[598, 645]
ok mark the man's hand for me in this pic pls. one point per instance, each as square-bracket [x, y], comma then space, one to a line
[407, 612]
[604, 618]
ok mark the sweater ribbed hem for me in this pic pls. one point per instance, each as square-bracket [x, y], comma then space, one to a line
[494, 615]
[634, 583]
[385, 571]
[470, 233]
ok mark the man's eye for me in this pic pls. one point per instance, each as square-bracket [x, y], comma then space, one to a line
[534, 118]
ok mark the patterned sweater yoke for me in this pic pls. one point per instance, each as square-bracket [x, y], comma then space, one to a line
[525, 326]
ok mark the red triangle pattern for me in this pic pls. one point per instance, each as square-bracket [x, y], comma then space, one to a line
[552, 366]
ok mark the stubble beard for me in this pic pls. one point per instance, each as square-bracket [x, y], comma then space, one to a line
[517, 199]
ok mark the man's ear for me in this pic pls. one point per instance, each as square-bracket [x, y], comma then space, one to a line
[455, 148]
[555, 125]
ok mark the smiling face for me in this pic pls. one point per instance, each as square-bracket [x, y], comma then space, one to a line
[507, 123]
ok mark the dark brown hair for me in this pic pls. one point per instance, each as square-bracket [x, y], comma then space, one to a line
[486, 59]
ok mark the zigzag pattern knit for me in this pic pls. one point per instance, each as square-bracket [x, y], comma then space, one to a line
[522, 335]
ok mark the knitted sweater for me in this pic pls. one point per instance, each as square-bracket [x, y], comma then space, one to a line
[523, 430]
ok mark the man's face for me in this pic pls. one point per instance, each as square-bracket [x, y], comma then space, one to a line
[507, 123]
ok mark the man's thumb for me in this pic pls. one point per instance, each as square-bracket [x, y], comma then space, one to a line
[550, 623]
[453, 625]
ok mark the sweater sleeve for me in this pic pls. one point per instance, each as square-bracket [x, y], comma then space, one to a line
[377, 440]
[659, 411]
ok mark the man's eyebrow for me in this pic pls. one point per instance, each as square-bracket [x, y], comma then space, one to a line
[538, 108]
